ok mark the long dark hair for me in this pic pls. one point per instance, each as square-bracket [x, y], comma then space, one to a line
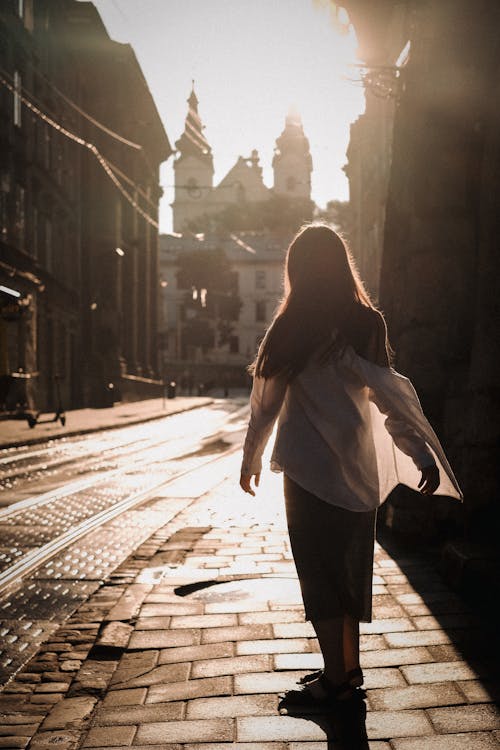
[322, 289]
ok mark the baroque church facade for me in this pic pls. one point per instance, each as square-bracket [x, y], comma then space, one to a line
[256, 256]
[195, 193]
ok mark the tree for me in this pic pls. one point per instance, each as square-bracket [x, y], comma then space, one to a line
[279, 213]
[211, 301]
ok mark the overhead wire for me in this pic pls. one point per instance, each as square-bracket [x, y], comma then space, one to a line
[87, 144]
[83, 113]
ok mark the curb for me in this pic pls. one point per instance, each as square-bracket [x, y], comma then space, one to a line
[102, 428]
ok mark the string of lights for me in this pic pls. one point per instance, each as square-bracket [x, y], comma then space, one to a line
[83, 112]
[86, 144]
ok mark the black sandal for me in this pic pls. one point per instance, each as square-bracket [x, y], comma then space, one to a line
[317, 696]
[354, 677]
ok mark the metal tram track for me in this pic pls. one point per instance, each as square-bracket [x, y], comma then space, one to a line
[118, 452]
[13, 576]
[85, 453]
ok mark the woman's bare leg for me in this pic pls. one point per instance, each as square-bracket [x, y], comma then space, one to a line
[330, 635]
[350, 643]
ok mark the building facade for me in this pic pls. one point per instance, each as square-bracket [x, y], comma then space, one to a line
[81, 147]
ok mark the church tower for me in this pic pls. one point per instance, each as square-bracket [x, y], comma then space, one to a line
[193, 169]
[292, 161]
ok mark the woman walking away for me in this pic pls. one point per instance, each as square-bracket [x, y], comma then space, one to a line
[350, 429]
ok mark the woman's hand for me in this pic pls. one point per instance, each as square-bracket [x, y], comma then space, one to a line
[430, 480]
[245, 482]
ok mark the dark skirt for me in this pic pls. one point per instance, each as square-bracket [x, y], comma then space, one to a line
[333, 552]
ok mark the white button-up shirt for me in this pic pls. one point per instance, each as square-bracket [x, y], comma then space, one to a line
[348, 431]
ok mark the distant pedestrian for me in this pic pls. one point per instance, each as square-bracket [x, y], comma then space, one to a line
[350, 429]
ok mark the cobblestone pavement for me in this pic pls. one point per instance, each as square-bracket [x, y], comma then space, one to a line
[190, 641]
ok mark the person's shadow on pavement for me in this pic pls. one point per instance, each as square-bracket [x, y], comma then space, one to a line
[344, 725]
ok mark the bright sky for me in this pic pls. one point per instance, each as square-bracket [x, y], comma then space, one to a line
[251, 60]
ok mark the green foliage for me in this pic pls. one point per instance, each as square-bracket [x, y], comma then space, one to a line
[279, 213]
[338, 213]
[211, 301]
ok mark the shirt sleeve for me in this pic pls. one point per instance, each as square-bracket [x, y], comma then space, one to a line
[265, 404]
[404, 435]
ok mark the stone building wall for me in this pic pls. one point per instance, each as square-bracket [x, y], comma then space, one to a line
[439, 279]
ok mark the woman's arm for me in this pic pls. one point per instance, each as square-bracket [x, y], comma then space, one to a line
[405, 437]
[265, 404]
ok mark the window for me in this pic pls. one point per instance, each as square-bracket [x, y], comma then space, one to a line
[234, 344]
[260, 279]
[17, 98]
[260, 311]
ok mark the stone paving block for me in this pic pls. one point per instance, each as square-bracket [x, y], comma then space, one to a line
[372, 642]
[171, 608]
[395, 657]
[206, 730]
[153, 623]
[70, 713]
[232, 706]
[417, 638]
[67, 740]
[387, 724]
[383, 677]
[189, 689]
[18, 730]
[280, 728]
[131, 697]
[476, 718]
[266, 682]
[389, 625]
[238, 633]
[480, 692]
[115, 634]
[132, 665]
[118, 715]
[445, 651]
[110, 736]
[52, 687]
[428, 622]
[147, 639]
[14, 742]
[236, 665]
[283, 616]
[204, 621]
[465, 741]
[388, 611]
[415, 696]
[195, 653]
[293, 630]
[441, 672]
[238, 746]
[128, 605]
[164, 673]
[229, 607]
[279, 646]
[298, 661]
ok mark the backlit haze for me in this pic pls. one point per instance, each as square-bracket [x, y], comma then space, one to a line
[251, 61]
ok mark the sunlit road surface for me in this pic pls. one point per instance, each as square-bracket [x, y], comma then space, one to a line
[73, 510]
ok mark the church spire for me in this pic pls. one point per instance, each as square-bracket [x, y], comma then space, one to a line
[292, 161]
[192, 142]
